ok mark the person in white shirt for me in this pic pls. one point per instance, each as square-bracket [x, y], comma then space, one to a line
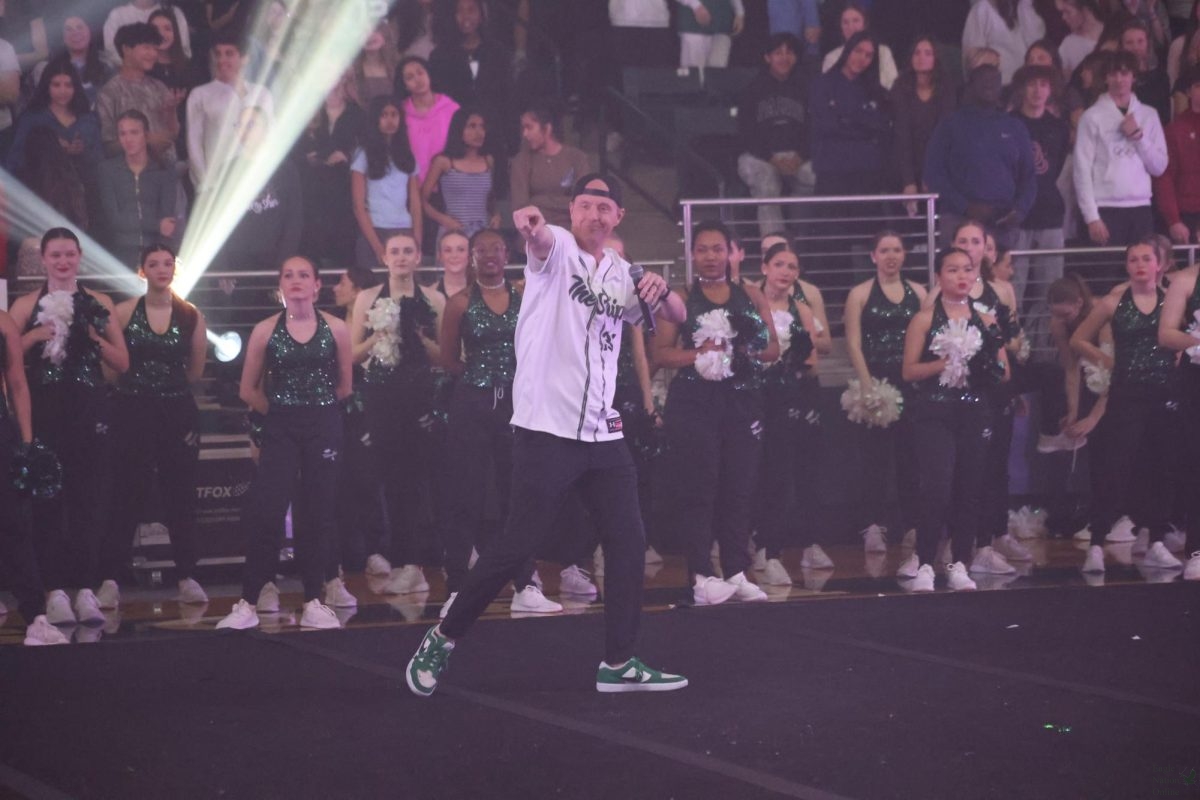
[214, 109]
[854, 19]
[567, 433]
[1007, 26]
[1085, 20]
[140, 11]
[1119, 147]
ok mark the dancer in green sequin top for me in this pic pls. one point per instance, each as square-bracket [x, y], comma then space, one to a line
[154, 421]
[1179, 313]
[1141, 424]
[296, 372]
[876, 317]
[66, 384]
[713, 416]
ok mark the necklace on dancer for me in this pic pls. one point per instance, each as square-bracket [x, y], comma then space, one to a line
[712, 281]
[483, 285]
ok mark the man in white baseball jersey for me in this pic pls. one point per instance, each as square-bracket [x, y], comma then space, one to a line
[567, 433]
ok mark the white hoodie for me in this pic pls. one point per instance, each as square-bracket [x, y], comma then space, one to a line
[1111, 170]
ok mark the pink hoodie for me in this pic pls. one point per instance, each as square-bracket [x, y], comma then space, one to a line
[427, 130]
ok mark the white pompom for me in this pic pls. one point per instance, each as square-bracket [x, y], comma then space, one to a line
[56, 310]
[782, 320]
[1027, 523]
[878, 407]
[957, 342]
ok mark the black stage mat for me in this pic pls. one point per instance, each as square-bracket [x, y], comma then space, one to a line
[929, 696]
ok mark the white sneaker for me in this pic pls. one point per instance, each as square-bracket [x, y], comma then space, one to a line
[1191, 572]
[910, 539]
[318, 615]
[191, 592]
[242, 616]
[744, 590]
[378, 565]
[815, 558]
[1122, 531]
[1142, 543]
[910, 567]
[268, 599]
[409, 579]
[774, 574]
[532, 601]
[923, 582]
[58, 608]
[1175, 540]
[575, 581]
[109, 595]
[1054, 443]
[1158, 556]
[711, 591]
[1012, 548]
[759, 562]
[598, 562]
[1094, 562]
[338, 596]
[41, 632]
[652, 556]
[874, 539]
[1084, 534]
[87, 607]
[989, 562]
[958, 579]
[446, 605]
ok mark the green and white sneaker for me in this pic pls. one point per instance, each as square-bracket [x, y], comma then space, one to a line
[634, 676]
[428, 663]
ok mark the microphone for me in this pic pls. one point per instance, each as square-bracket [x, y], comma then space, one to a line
[637, 272]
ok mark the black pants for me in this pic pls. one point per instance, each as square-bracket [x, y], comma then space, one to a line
[361, 521]
[17, 558]
[480, 437]
[400, 447]
[714, 443]
[994, 520]
[1189, 462]
[790, 466]
[1133, 451]
[1126, 225]
[149, 434]
[953, 439]
[307, 440]
[72, 421]
[889, 454]
[545, 468]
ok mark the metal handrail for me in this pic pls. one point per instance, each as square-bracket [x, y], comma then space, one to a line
[688, 204]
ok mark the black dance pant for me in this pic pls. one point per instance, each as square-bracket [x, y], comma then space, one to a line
[994, 520]
[479, 437]
[953, 439]
[149, 434]
[71, 420]
[545, 468]
[361, 521]
[400, 448]
[888, 454]
[1189, 460]
[1133, 451]
[307, 440]
[17, 559]
[714, 443]
[791, 466]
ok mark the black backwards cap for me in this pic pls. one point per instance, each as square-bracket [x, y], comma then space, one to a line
[613, 192]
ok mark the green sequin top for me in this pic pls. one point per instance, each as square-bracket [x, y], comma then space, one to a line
[984, 370]
[1189, 317]
[747, 323]
[790, 371]
[884, 325]
[1138, 361]
[417, 318]
[488, 340]
[301, 374]
[82, 364]
[158, 362]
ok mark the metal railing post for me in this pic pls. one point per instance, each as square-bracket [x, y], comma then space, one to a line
[687, 240]
[931, 235]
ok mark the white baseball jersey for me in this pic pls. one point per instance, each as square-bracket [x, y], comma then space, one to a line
[568, 339]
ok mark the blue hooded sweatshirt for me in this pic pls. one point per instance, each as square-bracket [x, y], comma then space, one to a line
[981, 155]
